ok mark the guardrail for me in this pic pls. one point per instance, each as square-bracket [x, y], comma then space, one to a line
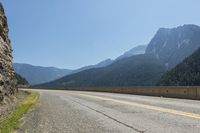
[161, 91]
[186, 92]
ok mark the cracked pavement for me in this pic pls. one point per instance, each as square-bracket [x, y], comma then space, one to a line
[94, 112]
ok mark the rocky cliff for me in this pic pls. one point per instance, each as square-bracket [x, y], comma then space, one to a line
[7, 75]
[173, 45]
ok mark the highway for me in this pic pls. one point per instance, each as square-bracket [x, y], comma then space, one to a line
[95, 112]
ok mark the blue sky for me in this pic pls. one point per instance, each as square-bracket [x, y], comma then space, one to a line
[75, 33]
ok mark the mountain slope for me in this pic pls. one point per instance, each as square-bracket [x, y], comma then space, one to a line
[173, 45]
[135, 70]
[37, 75]
[104, 63]
[187, 73]
[134, 51]
[21, 80]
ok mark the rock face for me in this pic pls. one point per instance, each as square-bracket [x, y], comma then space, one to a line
[38, 75]
[173, 45]
[7, 76]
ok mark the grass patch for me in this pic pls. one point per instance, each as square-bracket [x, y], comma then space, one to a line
[11, 121]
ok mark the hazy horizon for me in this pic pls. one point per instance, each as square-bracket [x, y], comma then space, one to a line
[71, 34]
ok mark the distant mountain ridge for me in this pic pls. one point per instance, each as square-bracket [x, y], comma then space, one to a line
[98, 65]
[37, 74]
[140, 49]
[132, 71]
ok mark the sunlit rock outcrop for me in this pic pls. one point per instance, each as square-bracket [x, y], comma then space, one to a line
[7, 75]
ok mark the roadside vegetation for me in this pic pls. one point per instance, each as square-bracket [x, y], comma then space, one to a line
[9, 123]
[187, 73]
[21, 80]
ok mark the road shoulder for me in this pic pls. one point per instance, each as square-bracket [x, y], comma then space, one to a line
[11, 121]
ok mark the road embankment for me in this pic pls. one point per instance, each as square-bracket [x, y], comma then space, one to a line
[9, 122]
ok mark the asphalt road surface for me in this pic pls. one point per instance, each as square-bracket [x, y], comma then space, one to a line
[95, 112]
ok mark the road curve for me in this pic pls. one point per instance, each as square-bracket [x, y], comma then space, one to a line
[94, 112]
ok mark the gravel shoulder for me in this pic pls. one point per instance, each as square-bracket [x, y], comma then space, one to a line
[10, 103]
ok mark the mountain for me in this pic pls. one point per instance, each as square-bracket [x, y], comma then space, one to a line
[21, 80]
[133, 71]
[104, 63]
[173, 45]
[51, 73]
[37, 74]
[167, 48]
[187, 73]
[134, 51]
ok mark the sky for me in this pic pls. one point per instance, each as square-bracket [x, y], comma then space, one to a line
[75, 33]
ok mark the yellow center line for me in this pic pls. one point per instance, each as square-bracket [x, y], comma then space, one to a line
[150, 107]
